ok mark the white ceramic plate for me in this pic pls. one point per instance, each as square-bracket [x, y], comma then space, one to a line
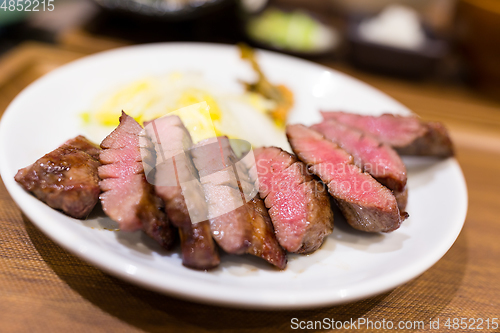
[350, 266]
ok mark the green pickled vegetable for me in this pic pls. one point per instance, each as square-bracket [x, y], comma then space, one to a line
[295, 30]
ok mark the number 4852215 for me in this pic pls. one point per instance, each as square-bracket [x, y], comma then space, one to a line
[27, 5]
[471, 323]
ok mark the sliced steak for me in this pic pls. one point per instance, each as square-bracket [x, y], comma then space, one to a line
[264, 243]
[65, 178]
[435, 142]
[366, 204]
[238, 225]
[298, 204]
[374, 157]
[370, 155]
[408, 135]
[227, 213]
[175, 184]
[127, 197]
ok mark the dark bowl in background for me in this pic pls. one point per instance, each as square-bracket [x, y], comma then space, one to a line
[162, 9]
[392, 60]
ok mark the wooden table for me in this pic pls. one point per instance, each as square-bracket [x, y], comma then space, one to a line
[44, 288]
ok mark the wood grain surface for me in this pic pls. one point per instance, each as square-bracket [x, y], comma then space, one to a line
[43, 288]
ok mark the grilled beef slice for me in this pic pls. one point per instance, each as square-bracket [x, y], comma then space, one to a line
[366, 204]
[408, 135]
[370, 155]
[227, 214]
[264, 243]
[171, 141]
[65, 178]
[239, 226]
[298, 204]
[127, 197]
[402, 199]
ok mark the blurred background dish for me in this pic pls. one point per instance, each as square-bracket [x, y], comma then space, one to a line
[292, 30]
[460, 36]
[164, 9]
[394, 42]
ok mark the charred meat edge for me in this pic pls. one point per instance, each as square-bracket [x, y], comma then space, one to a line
[66, 178]
[408, 135]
